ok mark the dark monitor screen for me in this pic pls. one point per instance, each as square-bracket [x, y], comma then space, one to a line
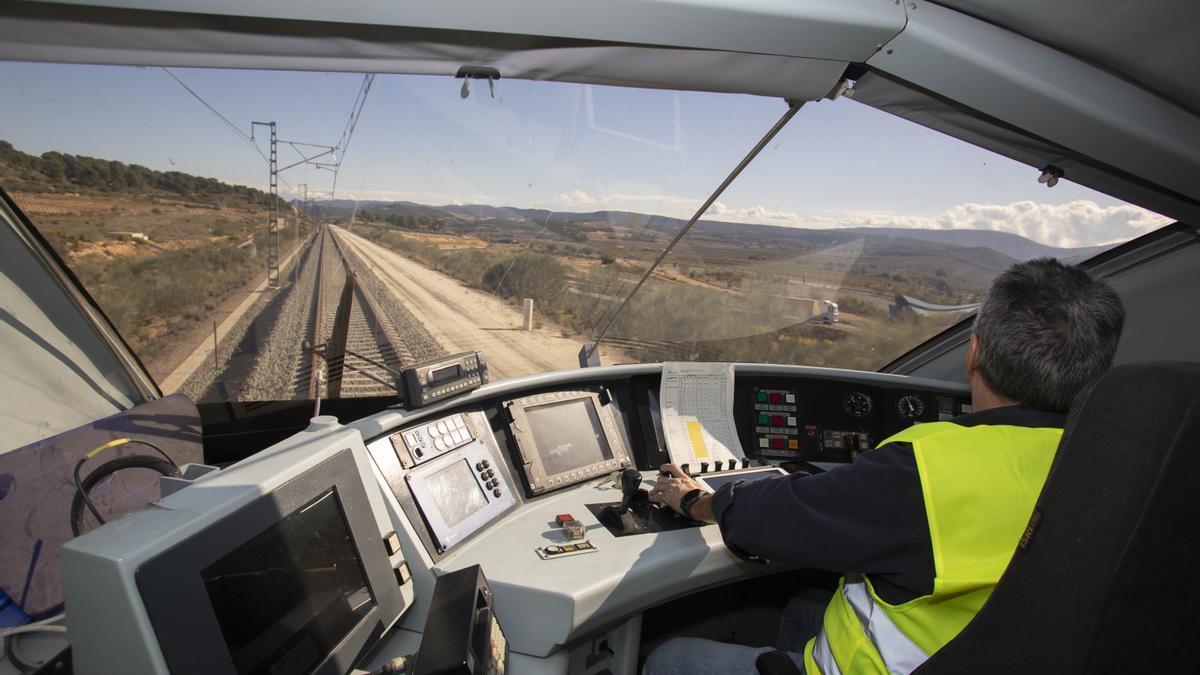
[568, 435]
[455, 492]
[288, 596]
[447, 373]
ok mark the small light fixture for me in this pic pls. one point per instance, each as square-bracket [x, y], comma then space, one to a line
[1050, 175]
[468, 73]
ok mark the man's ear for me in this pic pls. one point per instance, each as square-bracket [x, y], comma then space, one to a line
[973, 355]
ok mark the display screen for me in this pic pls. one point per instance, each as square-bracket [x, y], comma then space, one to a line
[286, 598]
[455, 492]
[568, 435]
[443, 374]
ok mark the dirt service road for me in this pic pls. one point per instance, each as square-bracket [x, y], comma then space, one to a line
[464, 319]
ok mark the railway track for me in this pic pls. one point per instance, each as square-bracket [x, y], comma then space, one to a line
[354, 342]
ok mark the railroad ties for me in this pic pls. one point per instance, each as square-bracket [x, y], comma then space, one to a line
[354, 351]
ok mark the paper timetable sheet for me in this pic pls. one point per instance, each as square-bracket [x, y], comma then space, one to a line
[696, 401]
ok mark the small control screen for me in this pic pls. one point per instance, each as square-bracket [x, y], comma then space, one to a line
[568, 435]
[443, 374]
[455, 492]
[286, 598]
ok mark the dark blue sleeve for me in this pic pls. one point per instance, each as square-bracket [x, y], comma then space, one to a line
[864, 517]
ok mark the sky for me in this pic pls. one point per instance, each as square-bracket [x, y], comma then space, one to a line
[558, 146]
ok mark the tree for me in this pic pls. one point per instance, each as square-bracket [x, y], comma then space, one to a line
[526, 275]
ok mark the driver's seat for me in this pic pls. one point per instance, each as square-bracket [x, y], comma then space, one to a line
[1105, 578]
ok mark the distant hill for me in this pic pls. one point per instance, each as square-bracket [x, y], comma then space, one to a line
[58, 172]
[1010, 246]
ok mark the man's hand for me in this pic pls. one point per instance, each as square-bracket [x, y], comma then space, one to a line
[670, 489]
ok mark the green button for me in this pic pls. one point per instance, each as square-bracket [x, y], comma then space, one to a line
[762, 419]
[762, 397]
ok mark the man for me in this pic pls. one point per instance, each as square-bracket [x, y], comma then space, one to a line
[924, 525]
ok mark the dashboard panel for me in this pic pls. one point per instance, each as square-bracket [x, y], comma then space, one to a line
[448, 515]
[465, 466]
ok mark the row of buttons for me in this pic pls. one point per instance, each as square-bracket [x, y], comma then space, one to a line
[776, 420]
[779, 443]
[447, 425]
[469, 383]
[577, 475]
[767, 407]
[775, 397]
[486, 476]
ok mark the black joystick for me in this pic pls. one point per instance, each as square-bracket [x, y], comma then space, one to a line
[632, 514]
[632, 494]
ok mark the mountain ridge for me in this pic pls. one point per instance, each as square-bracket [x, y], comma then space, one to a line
[1012, 245]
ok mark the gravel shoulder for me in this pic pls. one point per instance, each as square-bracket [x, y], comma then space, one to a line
[463, 319]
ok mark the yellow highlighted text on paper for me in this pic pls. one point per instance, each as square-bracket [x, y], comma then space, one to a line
[696, 433]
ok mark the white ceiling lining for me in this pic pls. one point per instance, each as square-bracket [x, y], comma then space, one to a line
[1149, 42]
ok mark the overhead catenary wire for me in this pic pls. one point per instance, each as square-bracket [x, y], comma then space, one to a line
[793, 108]
[355, 113]
[249, 138]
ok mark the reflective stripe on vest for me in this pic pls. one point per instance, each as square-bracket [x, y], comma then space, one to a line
[900, 655]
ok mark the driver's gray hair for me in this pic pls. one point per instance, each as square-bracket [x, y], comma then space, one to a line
[1045, 331]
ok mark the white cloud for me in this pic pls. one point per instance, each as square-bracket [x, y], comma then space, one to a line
[1071, 224]
[574, 199]
[1076, 223]
[755, 213]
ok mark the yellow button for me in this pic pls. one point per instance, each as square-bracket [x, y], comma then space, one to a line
[793, 444]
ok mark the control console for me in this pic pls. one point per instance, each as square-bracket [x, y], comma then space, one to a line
[776, 427]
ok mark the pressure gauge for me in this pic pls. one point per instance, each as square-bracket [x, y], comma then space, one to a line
[910, 406]
[858, 404]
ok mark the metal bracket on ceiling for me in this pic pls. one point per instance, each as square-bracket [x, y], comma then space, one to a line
[1050, 175]
[468, 73]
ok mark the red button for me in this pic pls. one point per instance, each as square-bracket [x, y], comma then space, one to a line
[776, 398]
[777, 443]
[562, 518]
[777, 420]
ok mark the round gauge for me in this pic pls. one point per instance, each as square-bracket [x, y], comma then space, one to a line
[910, 406]
[858, 404]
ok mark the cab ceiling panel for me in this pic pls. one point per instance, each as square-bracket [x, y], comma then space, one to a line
[1151, 42]
[764, 47]
[1131, 137]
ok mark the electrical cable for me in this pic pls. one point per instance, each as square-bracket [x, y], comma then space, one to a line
[10, 636]
[83, 486]
[46, 625]
[244, 136]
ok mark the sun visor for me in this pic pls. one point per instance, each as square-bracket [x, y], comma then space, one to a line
[903, 101]
[59, 372]
[129, 37]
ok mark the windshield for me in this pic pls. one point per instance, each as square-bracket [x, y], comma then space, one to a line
[410, 222]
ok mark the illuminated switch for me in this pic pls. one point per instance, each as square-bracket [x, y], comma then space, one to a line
[762, 420]
[777, 443]
[402, 574]
[791, 422]
[791, 398]
[762, 397]
[392, 543]
[793, 444]
[762, 442]
[777, 420]
[776, 398]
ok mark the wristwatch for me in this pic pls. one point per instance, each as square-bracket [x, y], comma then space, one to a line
[688, 500]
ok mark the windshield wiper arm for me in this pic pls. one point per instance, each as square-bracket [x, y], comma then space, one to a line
[589, 355]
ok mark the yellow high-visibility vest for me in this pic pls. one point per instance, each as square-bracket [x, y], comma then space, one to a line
[979, 485]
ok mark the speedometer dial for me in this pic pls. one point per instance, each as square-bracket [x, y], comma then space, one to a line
[910, 406]
[858, 404]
